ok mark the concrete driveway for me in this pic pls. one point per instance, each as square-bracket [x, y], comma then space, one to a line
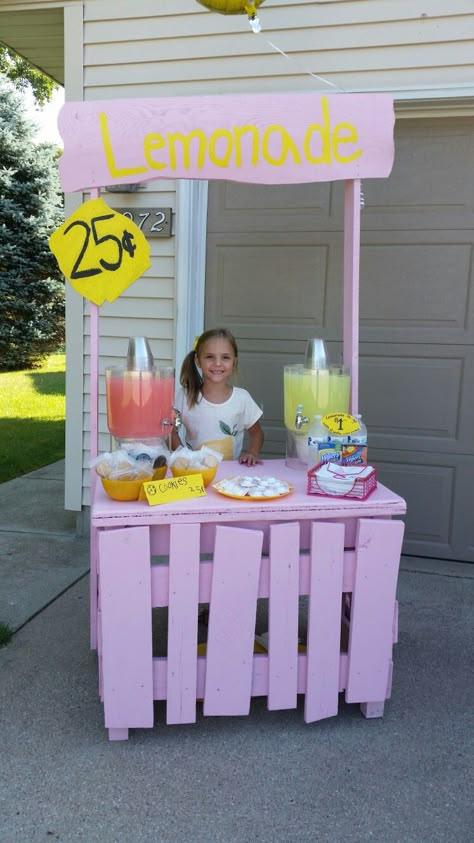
[268, 777]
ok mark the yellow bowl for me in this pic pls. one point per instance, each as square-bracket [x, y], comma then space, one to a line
[159, 473]
[122, 490]
[208, 474]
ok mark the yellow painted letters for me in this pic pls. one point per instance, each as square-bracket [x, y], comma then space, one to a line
[222, 161]
[109, 153]
[351, 137]
[185, 140]
[287, 144]
[150, 143]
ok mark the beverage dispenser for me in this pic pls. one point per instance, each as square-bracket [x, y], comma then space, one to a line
[310, 388]
[140, 396]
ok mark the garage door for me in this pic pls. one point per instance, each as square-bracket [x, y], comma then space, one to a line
[274, 277]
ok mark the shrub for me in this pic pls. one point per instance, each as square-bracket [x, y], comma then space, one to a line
[31, 285]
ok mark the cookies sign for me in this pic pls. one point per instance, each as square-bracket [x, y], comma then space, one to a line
[174, 489]
[100, 251]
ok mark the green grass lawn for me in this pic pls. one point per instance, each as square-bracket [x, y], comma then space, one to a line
[32, 410]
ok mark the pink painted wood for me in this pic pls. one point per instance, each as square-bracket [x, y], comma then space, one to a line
[125, 591]
[230, 673]
[93, 450]
[259, 675]
[283, 615]
[351, 287]
[182, 624]
[371, 631]
[214, 509]
[118, 141]
[324, 621]
[232, 614]
[93, 584]
[266, 139]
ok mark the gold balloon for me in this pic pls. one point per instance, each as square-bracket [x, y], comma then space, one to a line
[232, 7]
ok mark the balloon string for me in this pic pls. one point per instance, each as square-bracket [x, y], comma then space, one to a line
[304, 69]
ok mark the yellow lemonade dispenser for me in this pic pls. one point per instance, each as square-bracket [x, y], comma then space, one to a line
[310, 388]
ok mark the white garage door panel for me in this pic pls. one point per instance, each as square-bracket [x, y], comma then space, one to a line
[276, 293]
[431, 183]
[274, 277]
[283, 287]
[258, 374]
[437, 490]
[416, 286]
[265, 207]
[418, 398]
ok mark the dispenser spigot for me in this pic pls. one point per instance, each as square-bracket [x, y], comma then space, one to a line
[300, 419]
[176, 423]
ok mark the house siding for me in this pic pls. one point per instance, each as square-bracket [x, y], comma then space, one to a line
[175, 47]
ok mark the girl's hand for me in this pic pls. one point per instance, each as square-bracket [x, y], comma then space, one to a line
[248, 458]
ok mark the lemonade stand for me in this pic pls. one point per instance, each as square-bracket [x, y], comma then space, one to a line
[343, 554]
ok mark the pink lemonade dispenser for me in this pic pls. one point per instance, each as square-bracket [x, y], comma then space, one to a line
[140, 396]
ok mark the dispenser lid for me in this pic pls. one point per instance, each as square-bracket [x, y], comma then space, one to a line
[139, 356]
[316, 356]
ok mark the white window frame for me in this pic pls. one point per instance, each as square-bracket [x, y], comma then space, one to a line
[191, 233]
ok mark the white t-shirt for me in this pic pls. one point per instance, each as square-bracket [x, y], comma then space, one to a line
[219, 426]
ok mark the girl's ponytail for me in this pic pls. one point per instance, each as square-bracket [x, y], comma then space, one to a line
[190, 379]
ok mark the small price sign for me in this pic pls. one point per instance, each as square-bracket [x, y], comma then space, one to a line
[174, 489]
[99, 251]
[340, 423]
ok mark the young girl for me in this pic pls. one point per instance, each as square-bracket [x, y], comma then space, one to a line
[215, 413]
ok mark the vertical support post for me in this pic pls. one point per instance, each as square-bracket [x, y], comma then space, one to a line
[93, 451]
[351, 286]
[94, 367]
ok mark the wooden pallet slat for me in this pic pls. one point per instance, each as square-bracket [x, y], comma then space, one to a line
[378, 548]
[232, 613]
[126, 631]
[324, 621]
[283, 615]
[182, 624]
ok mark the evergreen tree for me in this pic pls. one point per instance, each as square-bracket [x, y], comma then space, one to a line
[31, 285]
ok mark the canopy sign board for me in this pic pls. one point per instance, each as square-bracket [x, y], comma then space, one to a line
[261, 139]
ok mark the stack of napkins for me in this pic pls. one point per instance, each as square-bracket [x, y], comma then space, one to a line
[335, 479]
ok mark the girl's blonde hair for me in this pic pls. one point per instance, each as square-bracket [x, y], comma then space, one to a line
[189, 378]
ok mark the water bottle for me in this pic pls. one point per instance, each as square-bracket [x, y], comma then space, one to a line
[320, 447]
[355, 453]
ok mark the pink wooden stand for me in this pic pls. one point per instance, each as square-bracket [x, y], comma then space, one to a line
[343, 554]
